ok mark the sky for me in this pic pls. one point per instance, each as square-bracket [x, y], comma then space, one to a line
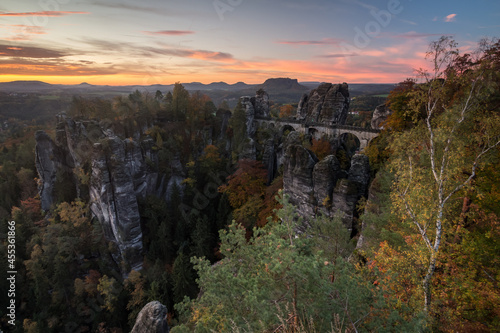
[123, 42]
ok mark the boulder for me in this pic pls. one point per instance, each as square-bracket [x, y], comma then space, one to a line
[151, 319]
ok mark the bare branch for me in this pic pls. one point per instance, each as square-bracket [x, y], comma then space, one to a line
[473, 170]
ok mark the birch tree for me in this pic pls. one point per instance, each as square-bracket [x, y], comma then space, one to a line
[438, 160]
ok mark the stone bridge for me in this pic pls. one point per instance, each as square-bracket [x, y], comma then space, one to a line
[318, 130]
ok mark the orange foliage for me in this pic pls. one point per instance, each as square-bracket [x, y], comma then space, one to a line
[249, 180]
[286, 111]
[32, 208]
[248, 194]
[321, 148]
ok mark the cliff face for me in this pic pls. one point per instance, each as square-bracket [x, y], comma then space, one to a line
[119, 171]
[329, 103]
[321, 186]
[257, 106]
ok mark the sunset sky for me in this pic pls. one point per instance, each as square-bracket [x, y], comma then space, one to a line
[121, 42]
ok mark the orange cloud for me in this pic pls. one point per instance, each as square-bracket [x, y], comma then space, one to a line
[450, 18]
[43, 13]
[21, 32]
[209, 55]
[29, 52]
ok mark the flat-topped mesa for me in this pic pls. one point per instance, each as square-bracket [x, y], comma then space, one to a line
[328, 104]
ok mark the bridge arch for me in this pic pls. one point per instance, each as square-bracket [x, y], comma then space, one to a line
[314, 133]
[352, 142]
[286, 128]
[363, 137]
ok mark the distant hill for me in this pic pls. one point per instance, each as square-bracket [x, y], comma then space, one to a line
[25, 86]
[280, 90]
[283, 84]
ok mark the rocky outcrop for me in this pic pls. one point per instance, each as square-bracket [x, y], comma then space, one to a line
[261, 103]
[379, 116]
[298, 180]
[321, 186]
[269, 159]
[377, 207]
[359, 173]
[120, 171]
[246, 103]
[152, 319]
[325, 176]
[114, 201]
[49, 160]
[329, 104]
[257, 106]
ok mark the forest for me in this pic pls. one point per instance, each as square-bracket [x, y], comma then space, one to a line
[226, 251]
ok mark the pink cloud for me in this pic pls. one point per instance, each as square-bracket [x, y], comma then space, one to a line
[450, 18]
[169, 32]
[44, 13]
[325, 41]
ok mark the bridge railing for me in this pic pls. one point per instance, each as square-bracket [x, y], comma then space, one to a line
[318, 124]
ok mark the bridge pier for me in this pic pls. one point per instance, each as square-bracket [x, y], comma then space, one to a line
[363, 143]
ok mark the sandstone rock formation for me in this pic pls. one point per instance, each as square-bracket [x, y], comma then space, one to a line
[329, 104]
[261, 103]
[298, 178]
[269, 159]
[152, 319]
[315, 186]
[49, 160]
[113, 199]
[257, 106]
[379, 116]
[121, 171]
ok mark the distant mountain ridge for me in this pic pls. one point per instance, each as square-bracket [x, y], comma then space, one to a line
[280, 90]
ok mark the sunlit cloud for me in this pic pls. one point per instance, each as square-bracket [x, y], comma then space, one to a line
[29, 52]
[325, 41]
[169, 32]
[21, 32]
[450, 18]
[57, 69]
[43, 13]
[137, 50]
[337, 55]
